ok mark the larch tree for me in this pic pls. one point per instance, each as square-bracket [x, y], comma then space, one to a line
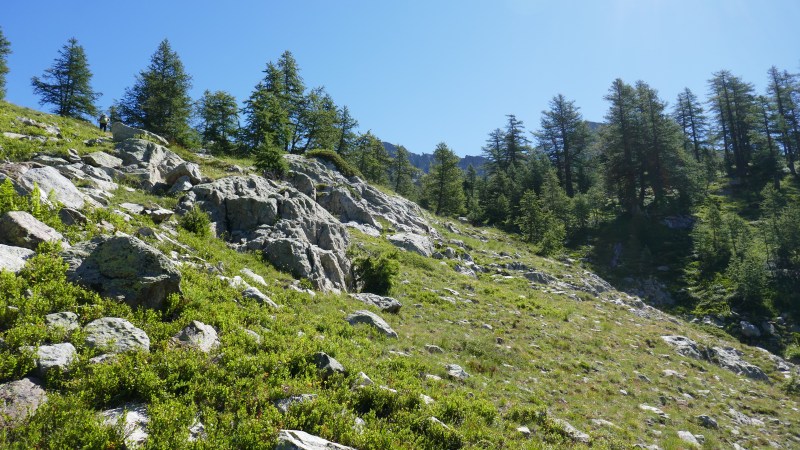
[159, 99]
[564, 136]
[5, 50]
[370, 158]
[784, 92]
[619, 145]
[689, 114]
[67, 83]
[733, 104]
[442, 186]
[401, 173]
[345, 129]
[218, 116]
[515, 143]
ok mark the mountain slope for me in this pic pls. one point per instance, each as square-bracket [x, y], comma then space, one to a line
[542, 344]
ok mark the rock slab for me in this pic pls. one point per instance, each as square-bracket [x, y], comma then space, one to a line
[19, 400]
[21, 229]
[385, 304]
[300, 440]
[116, 335]
[372, 319]
[13, 258]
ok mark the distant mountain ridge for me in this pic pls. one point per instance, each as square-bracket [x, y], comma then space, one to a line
[423, 161]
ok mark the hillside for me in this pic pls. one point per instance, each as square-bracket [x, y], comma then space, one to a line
[193, 303]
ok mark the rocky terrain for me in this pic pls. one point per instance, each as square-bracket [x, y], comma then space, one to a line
[120, 327]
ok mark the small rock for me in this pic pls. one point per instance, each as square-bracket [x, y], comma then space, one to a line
[115, 334]
[328, 365]
[197, 431]
[372, 319]
[362, 380]
[427, 400]
[19, 400]
[56, 356]
[749, 330]
[572, 432]
[525, 431]
[433, 348]
[284, 404]
[68, 321]
[21, 229]
[385, 304]
[654, 410]
[199, 336]
[134, 423]
[300, 440]
[253, 276]
[456, 371]
[13, 258]
[255, 294]
[707, 421]
[689, 438]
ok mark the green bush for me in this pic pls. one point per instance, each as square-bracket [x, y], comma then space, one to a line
[336, 159]
[196, 221]
[376, 275]
[270, 159]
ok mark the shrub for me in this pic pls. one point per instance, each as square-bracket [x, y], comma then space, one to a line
[196, 221]
[376, 275]
[270, 159]
[336, 159]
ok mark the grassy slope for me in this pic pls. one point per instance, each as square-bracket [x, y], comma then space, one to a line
[560, 358]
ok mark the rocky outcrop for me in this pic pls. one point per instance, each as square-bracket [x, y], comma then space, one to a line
[300, 440]
[116, 335]
[21, 229]
[19, 400]
[413, 242]
[387, 304]
[153, 166]
[13, 258]
[294, 232]
[373, 320]
[121, 132]
[353, 200]
[124, 268]
[726, 357]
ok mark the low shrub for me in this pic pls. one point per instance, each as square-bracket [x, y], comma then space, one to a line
[376, 275]
[196, 221]
[336, 159]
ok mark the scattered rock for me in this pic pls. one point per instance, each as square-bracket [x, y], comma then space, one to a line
[21, 229]
[707, 421]
[71, 216]
[184, 170]
[121, 132]
[427, 400]
[572, 432]
[253, 276]
[56, 356]
[197, 431]
[372, 319]
[300, 440]
[603, 423]
[102, 159]
[327, 365]
[199, 336]
[116, 335]
[124, 268]
[159, 215]
[133, 420]
[433, 348]
[654, 410]
[749, 330]
[255, 294]
[689, 438]
[13, 258]
[362, 380]
[684, 346]
[148, 163]
[182, 184]
[19, 400]
[525, 431]
[385, 304]
[731, 359]
[413, 243]
[456, 371]
[66, 320]
[49, 179]
[284, 404]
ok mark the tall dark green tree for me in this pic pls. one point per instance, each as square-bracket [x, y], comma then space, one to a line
[371, 158]
[218, 116]
[442, 190]
[5, 50]
[345, 129]
[619, 145]
[733, 103]
[784, 92]
[564, 136]
[319, 118]
[515, 143]
[690, 116]
[402, 172]
[159, 99]
[67, 83]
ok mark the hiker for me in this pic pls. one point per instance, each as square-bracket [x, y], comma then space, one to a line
[103, 122]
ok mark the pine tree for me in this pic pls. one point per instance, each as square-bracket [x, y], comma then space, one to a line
[5, 50]
[689, 115]
[401, 173]
[564, 136]
[345, 128]
[371, 158]
[159, 99]
[733, 103]
[266, 114]
[67, 83]
[219, 120]
[442, 186]
[618, 145]
[493, 151]
[515, 143]
[319, 118]
[784, 92]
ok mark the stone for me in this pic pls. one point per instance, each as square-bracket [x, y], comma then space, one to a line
[125, 268]
[49, 179]
[413, 242]
[684, 346]
[525, 431]
[707, 421]
[456, 371]
[540, 277]
[185, 169]
[385, 304]
[19, 400]
[255, 294]
[71, 216]
[148, 163]
[48, 128]
[572, 432]
[300, 440]
[197, 431]
[180, 185]
[362, 380]
[198, 335]
[66, 320]
[731, 359]
[433, 348]
[121, 132]
[426, 400]
[603, 423]
[749, 330]
[284, 404]
[13, 258]
[116, 335]
[21, 229]
[253, 276]
[56, 356]
[372, 319]
[132, 419]
[294, 233]
[654, 410]
[159, 215]
[132, 208]
[102, 159]
[688, 437]
[327, 365]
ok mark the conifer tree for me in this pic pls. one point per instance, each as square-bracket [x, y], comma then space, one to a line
[442, 186]
[218, 120]
[784, 92]
[564, 136]
[5, 50]
[401, 173]
[67, 83]
[689, 115]
[345, 129]
[733, 103]
[159, 99]
[371, 158]
[618, 146]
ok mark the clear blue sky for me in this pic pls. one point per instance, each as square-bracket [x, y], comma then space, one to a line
[417, 72]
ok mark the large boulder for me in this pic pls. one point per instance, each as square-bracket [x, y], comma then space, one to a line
[48, 179]
[300, 440]
[56, 356]
[152, 165]
[13, 258]
[199, 336]
[386, 304]
[353, 200]
[731, 359]
[116, 335]
[413, 242]
[19, 400]
[124, 268]
[373, 320]
[121, 132]
[133, 419]
[294, 232]
[21, 229]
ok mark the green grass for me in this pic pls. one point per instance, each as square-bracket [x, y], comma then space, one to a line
[546, 357]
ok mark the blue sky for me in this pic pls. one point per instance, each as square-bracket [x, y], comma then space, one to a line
[417, 72]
